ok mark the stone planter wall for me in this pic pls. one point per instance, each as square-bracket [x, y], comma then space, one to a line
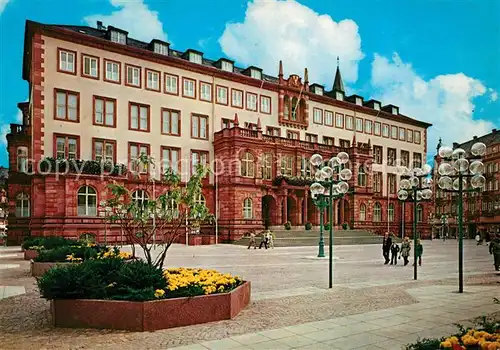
[149, 315]
[30, 254]
[39, 268]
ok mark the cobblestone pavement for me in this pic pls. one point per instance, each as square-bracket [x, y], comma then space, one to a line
[288, 289]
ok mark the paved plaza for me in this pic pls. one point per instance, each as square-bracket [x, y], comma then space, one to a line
[371, 306]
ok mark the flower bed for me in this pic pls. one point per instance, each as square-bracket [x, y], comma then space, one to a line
[109, 293]
[32, 245]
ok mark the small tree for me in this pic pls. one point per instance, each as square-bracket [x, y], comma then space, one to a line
[144, 220]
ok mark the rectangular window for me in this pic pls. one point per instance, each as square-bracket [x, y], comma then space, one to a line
[227, 123]
[328, 140]
[272, 131]
[135, 151]
[312, 138]
[189, 88]
[385, 130]
[292, 135]
[205, 91]
[66, 146]
[359, 125]
[391, 181]
[118, 37]
[405, 158]
[90, 66]
[221, 92]
[349, 122]
[199, 127]
[318, 116]
[265, 104]
[287, 165]
[339, 120]
[377, 154]
[133, 76]
[376, 129]
[256, 74]
[368, 126]
[402, 134]
[391, 157]
[152, 80]
[171, 84]
[66, 61]
[105, 111]
[394, 132]
[198, 157]
[160, 48]
[195, 58]
[170, 122]
[305, 167]
[377, 182]
[417, 160]
[417, 137]
[67, 105]
[318, 90]
[251, 102]
[104, 150]
[236, 98]
[329, 118]
[170, 157]
[344, 143]
[267, 166]
[112, 73]
[409, 134]
[138, 117]
[250, 126]
[226, 66]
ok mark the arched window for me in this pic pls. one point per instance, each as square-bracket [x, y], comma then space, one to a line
[248, 165]
[377, 212]
[362, 212]
[200, 200]
[247, 208]
[87, 201]
[362, 176]
[420, 213]
[22, 159]
[390, 212]
[22, 205]
[295, 108]
[286, 111]
[140, 197]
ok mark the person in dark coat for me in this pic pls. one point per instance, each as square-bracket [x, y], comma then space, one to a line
[386, 247]
[394, 253]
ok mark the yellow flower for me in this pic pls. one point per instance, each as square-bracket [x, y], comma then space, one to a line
[446, 344]
[159, 293]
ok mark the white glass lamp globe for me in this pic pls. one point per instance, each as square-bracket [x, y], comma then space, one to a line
[345, 174]
[478, 181]
[319, 175]
[427, 169]
[476, 167]
[327, 172]
[343, 187]
[461, 165]
[478, 149]
[414, 181]
[426, 194]
[316, 159]
[445, 183]
[334, 162]
[445, 169]
[404, 184]
[418, 171]
[458, 153]
[317, 188]
[456, 184]
[402, 195]
[445, 152]
[343, 157]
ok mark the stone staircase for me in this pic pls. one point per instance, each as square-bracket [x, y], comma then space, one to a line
[297, 238]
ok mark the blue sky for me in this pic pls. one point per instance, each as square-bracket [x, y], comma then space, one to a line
[438, 60]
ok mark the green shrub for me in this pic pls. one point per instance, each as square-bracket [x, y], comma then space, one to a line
[288, 225]
[308, 226]
[50, 242]
[60, 254]
[425, 344]
[111, 278]
[327, 226]
[345, 226]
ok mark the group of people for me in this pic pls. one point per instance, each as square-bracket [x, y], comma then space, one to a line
[391, 251]
[266, 240]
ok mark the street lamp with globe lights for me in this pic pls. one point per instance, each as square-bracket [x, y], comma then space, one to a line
[330, 184]
[415, 186]
[459, 173]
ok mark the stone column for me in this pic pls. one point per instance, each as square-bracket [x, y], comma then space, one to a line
[285, 208]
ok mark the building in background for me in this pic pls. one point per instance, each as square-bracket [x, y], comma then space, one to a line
[482, 208]
[4, 174]
[97, 94]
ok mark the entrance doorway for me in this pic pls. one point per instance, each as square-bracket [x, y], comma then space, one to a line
[268, 211]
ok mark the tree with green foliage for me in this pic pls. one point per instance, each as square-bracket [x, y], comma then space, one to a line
[158, 222]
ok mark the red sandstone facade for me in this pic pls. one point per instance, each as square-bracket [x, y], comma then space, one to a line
[257, 133]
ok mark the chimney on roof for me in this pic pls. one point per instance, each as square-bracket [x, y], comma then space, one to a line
[494, 131]
[474, 138]
[455, 144]
[99, 25]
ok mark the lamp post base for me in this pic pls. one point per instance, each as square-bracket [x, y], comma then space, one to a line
[321, 253]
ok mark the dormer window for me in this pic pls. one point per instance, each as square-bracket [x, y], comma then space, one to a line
[339, 96]
[359, 102]
[318, 90]
[118, 37]
[395, 110]
[256, 74]
[226, 66]
[195, 57]
[160, 48]
[376, 106]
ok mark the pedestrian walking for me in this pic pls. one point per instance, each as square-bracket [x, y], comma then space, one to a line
[271, 238]
[394, 253]
[253, 241]
[419, 249]
[495, 250]
[386, 247]
[405, 250]
[263, 240]
[479, 240]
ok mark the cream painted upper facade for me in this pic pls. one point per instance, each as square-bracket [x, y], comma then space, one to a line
[87, 88]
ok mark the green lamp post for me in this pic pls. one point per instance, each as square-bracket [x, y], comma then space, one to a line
[330, 184]
[415, 187]
[461, 173]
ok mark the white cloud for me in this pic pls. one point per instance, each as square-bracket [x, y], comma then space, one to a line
[134, 17]
[3, 3]
[286, 30]
[493, 95]
[446, 101]
[5, 128]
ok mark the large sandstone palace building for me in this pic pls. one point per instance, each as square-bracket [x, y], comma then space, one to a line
[98, 94]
